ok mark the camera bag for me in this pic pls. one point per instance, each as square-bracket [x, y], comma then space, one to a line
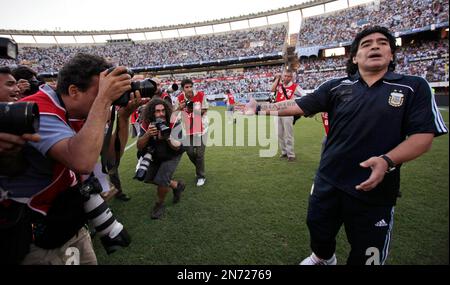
[64, 219]
[15, 231]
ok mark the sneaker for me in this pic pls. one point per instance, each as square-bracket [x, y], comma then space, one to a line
[158, 211]
[201, 181]
[177, 192]
[122, 197]
[291, 159]
[283, 156]
[314, 260]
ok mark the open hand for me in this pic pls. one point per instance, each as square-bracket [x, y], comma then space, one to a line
[379, 167]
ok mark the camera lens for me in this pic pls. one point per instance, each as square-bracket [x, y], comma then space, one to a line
[19, 118]
[146, 87]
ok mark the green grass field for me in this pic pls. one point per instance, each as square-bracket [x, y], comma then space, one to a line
[252, 210]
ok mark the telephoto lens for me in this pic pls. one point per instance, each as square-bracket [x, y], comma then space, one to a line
[19, 118]
[112, 233]
[144, 163]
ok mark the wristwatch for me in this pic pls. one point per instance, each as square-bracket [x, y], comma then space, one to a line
[391, 164]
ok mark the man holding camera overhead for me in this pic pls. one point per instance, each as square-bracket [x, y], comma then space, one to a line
[72, 127]
[160, 153]
[286, 89]
[193, 107]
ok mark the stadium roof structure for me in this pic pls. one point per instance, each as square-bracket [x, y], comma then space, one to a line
[276, 16]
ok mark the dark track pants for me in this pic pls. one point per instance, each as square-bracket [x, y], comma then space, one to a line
[196, 153]
[368, 227]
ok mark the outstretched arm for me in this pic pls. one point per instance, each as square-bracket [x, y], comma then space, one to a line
[284, 108]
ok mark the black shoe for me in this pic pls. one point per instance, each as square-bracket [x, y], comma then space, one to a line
[158, 211]
[122, 197]
[92, 232]
[177, 192]
[123, 239]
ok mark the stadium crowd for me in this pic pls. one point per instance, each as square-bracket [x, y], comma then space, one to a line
[171, 51]
[397, 15]
[428, 59]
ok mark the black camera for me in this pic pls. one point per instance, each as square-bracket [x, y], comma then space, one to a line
[146, 87]
[113, 234]
[8, 48]
[173, 88]
[162, 127]
[34, 86]
[19, 118]
[189, 104]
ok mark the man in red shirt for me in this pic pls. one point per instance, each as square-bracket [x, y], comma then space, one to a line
[229, 99]
[286, 90]
[193, 106]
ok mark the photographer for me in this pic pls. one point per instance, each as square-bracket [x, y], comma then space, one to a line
[26, 80]
[286, 90]
[124, 116]
[9, 92]
[230, 101]
[160, 153]
[72, 124]
[193, 109]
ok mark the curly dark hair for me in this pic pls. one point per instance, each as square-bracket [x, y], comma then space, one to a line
[23, 72]
[352, 68]
[80, 71]
[148, 113]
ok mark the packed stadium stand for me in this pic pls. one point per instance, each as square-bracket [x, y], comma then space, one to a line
[397, 15]
[195, 49]
[245, 61]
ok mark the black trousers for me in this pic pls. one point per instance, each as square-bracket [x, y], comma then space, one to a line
[368, 227]
[195, 150]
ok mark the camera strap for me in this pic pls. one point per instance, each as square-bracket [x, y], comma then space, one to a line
[284, 92]
[106, 165]
[296, 117]
[107, 162]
